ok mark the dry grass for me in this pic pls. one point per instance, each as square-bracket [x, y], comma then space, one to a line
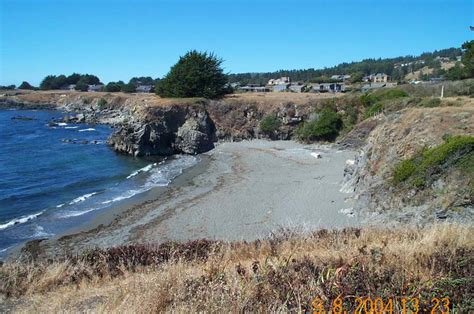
[284, 273]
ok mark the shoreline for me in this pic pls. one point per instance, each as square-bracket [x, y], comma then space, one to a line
[237, 191]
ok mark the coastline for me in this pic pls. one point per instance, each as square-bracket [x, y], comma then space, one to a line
[238, 191]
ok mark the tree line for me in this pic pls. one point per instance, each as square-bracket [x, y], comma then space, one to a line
[358, 69]
[200, 74]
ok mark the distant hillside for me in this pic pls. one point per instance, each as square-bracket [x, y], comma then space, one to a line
[391, 66]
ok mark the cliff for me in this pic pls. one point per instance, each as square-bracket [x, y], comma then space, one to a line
[444, 189]
[146, 124]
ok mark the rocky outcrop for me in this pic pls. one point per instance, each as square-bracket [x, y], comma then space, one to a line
[147, 125]
[166, 131]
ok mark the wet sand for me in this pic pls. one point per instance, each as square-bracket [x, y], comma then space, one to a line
[239, 191]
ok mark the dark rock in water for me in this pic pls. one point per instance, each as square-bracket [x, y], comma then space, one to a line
[24, 118]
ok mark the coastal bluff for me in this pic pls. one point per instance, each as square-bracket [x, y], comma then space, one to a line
[145, 124]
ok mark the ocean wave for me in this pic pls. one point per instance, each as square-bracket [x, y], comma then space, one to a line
[20, 220]
[60, 205]
[62, 124]
[161, 175]
[71, 127]
[39, 232]
[144, 169]
[82, 198]
[89, 129]
[124, 196]
[70, 214]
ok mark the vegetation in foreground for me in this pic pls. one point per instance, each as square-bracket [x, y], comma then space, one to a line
[283, 273]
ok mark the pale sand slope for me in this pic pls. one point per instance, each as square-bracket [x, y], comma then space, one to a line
[243, 190]
[268, 186]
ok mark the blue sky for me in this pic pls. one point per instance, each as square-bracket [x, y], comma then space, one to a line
[118, 39]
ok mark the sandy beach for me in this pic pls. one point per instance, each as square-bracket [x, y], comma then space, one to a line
[239, 191]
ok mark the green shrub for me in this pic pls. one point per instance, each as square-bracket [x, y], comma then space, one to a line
[325, 127]
[404, 170]
[430, 102]
[269, 124]
[385, 94]
[419, 170]
[102, 103]
[373, 110]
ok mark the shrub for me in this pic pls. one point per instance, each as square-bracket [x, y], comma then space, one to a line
[102, 103]
[325, 127]
[421, 169]
[196, 74]
[430, 102]
[270, 124]
[381, 95]
[373, 110]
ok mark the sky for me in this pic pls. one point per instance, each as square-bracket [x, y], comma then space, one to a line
[117, 39]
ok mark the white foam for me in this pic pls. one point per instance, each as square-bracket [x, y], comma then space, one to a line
[82, 198]
[20, 220]
[71, 127]
[89, 129]
[62, 124]
[124, 196]
[144, 169]
[70, 214]
[60, 205]
[39, 232]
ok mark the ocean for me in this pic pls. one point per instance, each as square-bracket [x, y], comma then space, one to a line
[54, 178]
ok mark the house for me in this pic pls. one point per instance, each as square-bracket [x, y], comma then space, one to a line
[280, 87]
[380, 78]
[376, 78]
[435, 80]
[342, 77]
[253, 88]
[95, 88]
[296, 88]
[69, 87]
[329, 87]
[144, 88]
[280, 81]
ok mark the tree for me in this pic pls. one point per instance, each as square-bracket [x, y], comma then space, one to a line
[7, 87]
[73, 78]
[25, 85]
[114, 87]
[128, 88]
[197, 74]
[56, 82]
[82, 86]
[468, 58]
[356, 77]
[48, 82]
[456, 73]
[143, 80]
